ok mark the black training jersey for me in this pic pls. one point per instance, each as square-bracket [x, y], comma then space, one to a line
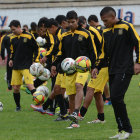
[119, 42]
[97, 38]
[24, 50]
[5, 44]
[75, 44]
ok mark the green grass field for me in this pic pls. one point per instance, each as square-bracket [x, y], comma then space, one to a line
[30, 125]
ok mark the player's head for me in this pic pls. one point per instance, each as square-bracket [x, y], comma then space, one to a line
[108, 16]
[33, 26]
[52, 26]
[93, 20]
[15, 27]
[82, 21]
[62, 21]
[25, 27]
[42, 26]
[72, 19]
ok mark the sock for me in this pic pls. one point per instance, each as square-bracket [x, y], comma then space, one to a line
[83, 111]
[108, 99]
[38, 82]
[100, 116]
[47, 103]
[76, 111]
[32, 91]
[61, 104]
[17, 99]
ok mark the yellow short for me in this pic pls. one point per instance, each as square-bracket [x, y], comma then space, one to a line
[61, 80]
[71, 80]
[99, 83]
[17, 77]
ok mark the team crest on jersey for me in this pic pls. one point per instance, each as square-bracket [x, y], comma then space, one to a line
[24, 40]
[120, 32]
[80, 38]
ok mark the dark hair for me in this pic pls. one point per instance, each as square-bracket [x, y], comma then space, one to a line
[106, 10]
[92, 17]
[33, 26]
[14, 23]
[72, 15]
[51, 22]
[25, 26]
[82, 20]
[60, 19]
[43, 22]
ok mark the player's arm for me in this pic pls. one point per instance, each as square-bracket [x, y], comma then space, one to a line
[92, 51]
[35, 49]
[135, 39]
[2, 46]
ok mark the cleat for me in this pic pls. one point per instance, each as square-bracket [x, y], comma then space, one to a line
[62, 118]
[124, 135]
[18, 109]
[38, 108]
[115, 136]
[73, 117]
[96, 121]
[73, 125]
[107, 102]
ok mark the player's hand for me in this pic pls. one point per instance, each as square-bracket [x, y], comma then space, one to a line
[53, 71]
[43, 60]
[11, 63]
[94, 73]
[136, 68]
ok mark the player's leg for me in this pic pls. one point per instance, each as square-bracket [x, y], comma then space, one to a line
[80, 82]
[107, 94]
[118, 86]
[16, 82]
[28, 78]
[9, 75]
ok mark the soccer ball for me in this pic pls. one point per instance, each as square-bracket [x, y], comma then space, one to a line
[36, 69]
[83, 64]
[41, 41]
[42, 52]
[45, 75]
[43, 89]
[1, 106]
[38, 97]
[68, 65]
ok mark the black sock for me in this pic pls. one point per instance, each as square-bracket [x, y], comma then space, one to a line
[17, 99]
[100, 116]
[47, 103]
[32, 91]
[38, 82]
[108, 99]
[83, 111]
[61, 104]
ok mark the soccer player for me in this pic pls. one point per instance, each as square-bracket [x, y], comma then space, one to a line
[34, 29]
[24, 50]
[75, 42]
[95, 86]
[59, 86]
[62, 21]
[120, 37]
[5, 44]
[93, 21]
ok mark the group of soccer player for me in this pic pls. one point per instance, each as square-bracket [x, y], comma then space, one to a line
[110, 50]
